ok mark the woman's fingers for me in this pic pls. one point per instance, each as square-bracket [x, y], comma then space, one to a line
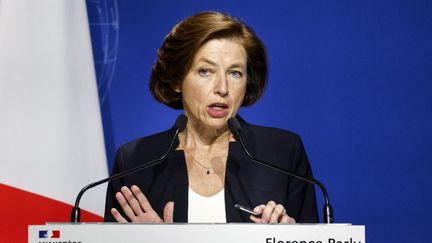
[168, 213]
[287, 220]
[268, 211]
[132, 201]
[258, 210]
[277, 214]
[125, 206]
[271, 213]
[143, 201]
[118, 216]
[255, 219]
[138, 209]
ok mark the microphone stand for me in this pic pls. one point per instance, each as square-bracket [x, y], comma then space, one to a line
[234, 126]
[76, 211]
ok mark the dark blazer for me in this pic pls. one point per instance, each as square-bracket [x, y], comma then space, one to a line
[246, 182]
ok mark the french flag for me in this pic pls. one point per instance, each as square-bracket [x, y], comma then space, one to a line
[55, 234]
[51, 137]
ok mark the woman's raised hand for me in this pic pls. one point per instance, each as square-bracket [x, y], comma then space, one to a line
[138, 209]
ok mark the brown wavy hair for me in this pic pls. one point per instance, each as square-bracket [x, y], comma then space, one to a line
[179, 47]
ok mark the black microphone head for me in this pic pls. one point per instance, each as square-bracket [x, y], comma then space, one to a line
[234, 125]
[180, 123]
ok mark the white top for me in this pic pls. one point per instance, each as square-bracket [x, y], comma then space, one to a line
[206, 209]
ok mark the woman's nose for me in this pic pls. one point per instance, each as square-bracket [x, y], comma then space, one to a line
[221, 85]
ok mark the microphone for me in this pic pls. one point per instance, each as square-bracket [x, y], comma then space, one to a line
[235, 128]
[179, 126]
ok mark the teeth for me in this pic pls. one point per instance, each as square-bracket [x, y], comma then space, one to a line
[217, 108]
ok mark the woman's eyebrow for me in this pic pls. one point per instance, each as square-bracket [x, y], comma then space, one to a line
[206, 60]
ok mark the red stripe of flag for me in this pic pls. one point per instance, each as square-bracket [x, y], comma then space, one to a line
[20, 208]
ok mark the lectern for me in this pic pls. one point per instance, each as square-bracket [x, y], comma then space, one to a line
[194, 233]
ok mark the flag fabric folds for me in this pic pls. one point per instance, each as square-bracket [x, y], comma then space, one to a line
[51, 138]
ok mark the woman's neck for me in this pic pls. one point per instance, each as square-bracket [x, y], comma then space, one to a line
[193, 137]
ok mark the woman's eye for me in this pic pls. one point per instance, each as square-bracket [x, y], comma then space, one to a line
[236, 74]
[204, 72]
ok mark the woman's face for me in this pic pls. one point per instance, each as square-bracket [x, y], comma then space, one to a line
[214, 87]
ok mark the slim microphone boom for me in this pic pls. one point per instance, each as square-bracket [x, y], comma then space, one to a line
[235, 128]
[179, 126]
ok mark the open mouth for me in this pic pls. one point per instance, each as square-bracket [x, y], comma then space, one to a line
[218, 106]
[218, 110]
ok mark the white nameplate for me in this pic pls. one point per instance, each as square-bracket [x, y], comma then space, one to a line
[194, 233]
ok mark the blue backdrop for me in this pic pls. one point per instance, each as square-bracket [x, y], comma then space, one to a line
[353, 78]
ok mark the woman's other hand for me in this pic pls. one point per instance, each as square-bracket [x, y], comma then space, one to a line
[138, 209]
[271, 213]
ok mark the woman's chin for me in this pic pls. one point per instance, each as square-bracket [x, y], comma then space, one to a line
[216, 124]
[209, 123]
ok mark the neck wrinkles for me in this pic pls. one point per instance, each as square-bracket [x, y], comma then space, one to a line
[192, 137]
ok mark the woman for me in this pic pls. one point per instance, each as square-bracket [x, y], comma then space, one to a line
[210, 65]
